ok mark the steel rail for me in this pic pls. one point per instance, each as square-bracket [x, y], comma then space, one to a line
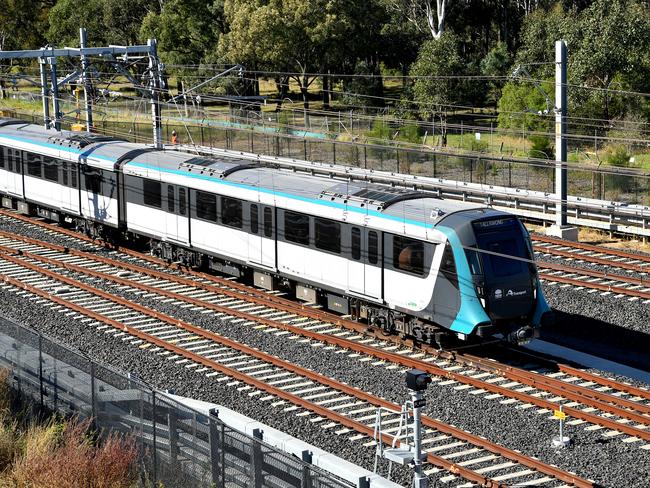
[532, 379]
[589, 247]
[346, 421]
[596, 260]
[554, 386]
[597, 286]
[633, 280]
[292, 307]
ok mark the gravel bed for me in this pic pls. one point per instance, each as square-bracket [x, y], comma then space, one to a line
[522, 429]
[614, 328]
[606, 460]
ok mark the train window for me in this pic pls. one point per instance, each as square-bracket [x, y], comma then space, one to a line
[34, 165]
[4, 154]
[408, 255]
[296, 228]
[355, 243]
[327, 235]
[182, 201]
[50, 169]
[152, 193]
[206, 206]
[73, 176]
[17, 161]
[231, 212]
[64, 172]
[268, 222]
[254, 218]
[170, 199]
[474, 260]
[448, 265]
[93, 180]
[373, 247]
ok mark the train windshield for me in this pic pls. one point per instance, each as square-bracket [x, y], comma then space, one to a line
[505, 242]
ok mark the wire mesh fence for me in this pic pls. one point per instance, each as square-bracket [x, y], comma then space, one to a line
[602, 183]
[178, 446]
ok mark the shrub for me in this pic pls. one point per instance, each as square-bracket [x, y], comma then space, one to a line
[618, 157]
[75, 461]
[540, 147]
[478, 146]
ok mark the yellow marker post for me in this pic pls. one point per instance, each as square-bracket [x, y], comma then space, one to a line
[561, 441]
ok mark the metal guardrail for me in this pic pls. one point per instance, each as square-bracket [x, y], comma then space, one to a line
[605, 215]
[179, 446]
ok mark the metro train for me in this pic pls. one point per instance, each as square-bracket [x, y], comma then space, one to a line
[403, 261]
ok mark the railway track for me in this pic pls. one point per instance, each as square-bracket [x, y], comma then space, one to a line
[601, 402]
[271, 379]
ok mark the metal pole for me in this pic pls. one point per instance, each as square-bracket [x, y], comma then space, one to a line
[420, 480]
[86, 81]
[55, 94]
[560, 133]
[155, 93]
[45, 92]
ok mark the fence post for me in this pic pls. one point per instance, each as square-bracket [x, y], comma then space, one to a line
[40, 368]
[334, 152]
[154, 453]
[306, 470]
[216, 448]
[304, 143]
[93, 410]
[257, 459]
[173, 435]
[365, 157]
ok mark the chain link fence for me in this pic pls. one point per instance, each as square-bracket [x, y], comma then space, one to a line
[602, 182]
[178, 446]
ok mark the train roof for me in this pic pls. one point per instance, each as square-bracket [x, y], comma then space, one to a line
[107, 152]
[399, 203]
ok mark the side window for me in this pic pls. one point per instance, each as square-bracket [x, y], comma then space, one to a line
[93, 180]
[355, 243]
[206, 206]
[4, 155]
[34, 165]
[327, 235]
[448, 265]
[50, 169]
[268, 222]
[296, 228]
[231, 212]
[408, 255]
[182, 201]
[73, 175]
[152, 193]
[17, 160]
[64, 172]
[254, 218]
[171, 203]
[373, 247]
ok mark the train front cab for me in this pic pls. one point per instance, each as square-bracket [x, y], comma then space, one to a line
[494, 259]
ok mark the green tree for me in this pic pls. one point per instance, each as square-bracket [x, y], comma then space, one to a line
[433, 92]
[67, 16]
[523, 105]
[299, 37]
[123, 19]
[187, 31]
[496, 64]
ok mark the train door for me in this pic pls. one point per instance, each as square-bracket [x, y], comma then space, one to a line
[176, 215]
[364, 265]
[15, 176]
[69, 195]
[261, 242]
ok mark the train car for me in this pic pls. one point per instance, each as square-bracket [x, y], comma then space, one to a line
[405, 261]
[400, 259]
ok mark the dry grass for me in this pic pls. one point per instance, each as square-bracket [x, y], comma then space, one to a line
[60, 454]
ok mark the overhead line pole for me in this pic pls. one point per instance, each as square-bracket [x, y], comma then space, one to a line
[561, 228]
[85, 80]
